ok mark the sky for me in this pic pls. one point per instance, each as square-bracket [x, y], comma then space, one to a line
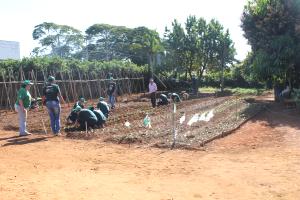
[18, 17]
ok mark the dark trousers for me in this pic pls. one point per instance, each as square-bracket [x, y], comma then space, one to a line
[153, 99]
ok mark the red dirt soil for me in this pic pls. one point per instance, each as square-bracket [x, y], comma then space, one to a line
[259, 161]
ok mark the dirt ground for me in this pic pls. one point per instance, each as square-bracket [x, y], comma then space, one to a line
[261, 160]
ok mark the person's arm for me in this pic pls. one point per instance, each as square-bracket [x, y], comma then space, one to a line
[155, 87]
[115, 90]
[22, 105]
[60, 96]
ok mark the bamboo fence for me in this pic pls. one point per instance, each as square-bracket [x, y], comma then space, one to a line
[73, 84]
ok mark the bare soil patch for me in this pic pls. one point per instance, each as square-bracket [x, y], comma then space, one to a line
[258, 161]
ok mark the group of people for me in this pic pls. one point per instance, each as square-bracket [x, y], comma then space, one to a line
[163, 98]
[89, 117]
[81, 115]
[52, 99]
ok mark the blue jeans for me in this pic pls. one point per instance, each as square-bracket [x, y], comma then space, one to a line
[54, 113]
[112, 100]
[22, 119]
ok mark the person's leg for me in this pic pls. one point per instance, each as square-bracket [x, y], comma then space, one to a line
[51, 115]
[57, 117]
[109, 99]
[22, 122]
[153, 99]
[113, 101]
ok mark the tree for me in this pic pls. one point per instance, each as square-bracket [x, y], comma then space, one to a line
[145, 45]
[174, 42]
[107, 42]
[271, 29]
[57, 40]
[200, 46]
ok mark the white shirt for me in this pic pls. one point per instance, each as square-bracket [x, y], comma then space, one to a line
[152, 87]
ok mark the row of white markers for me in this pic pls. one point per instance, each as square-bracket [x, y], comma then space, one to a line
[206, 117]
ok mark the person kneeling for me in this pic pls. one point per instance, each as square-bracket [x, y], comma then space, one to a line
[81, 102]
[86, 119]
[175, 97]
[163, 100]
[72, 118]
[103, 106]
[100, 117]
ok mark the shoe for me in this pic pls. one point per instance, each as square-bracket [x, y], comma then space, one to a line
[57, 134]
[24, 134]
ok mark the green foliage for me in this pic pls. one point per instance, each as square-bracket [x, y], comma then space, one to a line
[198, 47]
[55, 64]
[271, 29]
[57, 40]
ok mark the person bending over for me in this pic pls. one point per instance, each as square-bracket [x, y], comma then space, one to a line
[103, 106]
[163, 100]
[86, 117]
[72, 118]
[81, 102]
[100, 117]
[175, 97]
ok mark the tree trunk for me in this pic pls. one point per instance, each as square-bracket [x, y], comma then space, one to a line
[222, 65]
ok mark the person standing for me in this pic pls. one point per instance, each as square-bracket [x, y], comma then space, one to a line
[152, 91]
[111, 92]
[51, 97]
[22, 106]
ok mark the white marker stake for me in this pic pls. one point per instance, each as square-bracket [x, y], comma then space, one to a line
[44, 126]
[127, 124]
[182, 119]
[174, 125]
[86, 129]
[193, 119]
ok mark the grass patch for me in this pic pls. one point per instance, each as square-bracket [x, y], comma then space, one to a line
[208, 90]
[236, 91]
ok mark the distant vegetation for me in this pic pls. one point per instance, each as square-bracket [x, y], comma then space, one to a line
[197, 47]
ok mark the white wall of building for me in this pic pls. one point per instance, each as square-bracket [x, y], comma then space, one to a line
[9, 50]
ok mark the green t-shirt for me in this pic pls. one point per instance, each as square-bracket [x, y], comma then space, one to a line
[103, 106]
[25, 96]
[51, 92]
[88, 116]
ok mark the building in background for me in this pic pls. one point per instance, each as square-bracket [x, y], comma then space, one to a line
[9, 50]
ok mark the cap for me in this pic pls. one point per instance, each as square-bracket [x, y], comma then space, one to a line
[27, 82]
[51, 78]
[101, 99]
[82, 100]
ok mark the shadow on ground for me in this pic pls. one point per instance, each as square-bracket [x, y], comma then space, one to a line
[21, 140]
[276, 114]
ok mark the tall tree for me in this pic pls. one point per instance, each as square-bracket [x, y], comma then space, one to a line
[271, 27]
[57, 40]
[174, 42]
[107, 42]
[145, 45]
[200, 46]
